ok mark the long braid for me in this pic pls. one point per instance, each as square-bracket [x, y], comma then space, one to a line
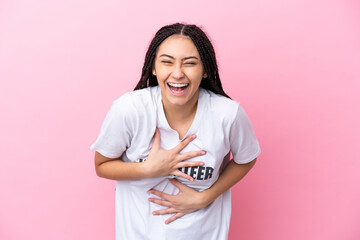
[204, 47]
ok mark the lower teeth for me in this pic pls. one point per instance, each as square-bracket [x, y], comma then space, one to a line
[181, 89]
[175, 91]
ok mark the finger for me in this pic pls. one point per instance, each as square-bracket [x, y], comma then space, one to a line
[160, 202]
[174, 217]
[189, 164]
[156, 142]
[177, 184]
[164, 211]
[184, 143]
[160, 194]
[183, 175]
[189, 155]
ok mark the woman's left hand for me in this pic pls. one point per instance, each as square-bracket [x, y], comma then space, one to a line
[186, 201]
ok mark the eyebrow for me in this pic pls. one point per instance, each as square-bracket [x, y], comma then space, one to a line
[185, 58]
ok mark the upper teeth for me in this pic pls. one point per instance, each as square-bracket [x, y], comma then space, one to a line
[178, 84]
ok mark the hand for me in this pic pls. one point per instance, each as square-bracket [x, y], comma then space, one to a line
[187, 200]
[162, 162]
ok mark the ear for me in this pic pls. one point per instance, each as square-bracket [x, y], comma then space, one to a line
[205, 75]
[154, 72]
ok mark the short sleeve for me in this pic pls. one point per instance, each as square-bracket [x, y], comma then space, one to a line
[115, 134]
[243, 142]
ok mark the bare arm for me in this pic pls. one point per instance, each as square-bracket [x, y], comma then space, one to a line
[232, 174]
[160, 162]
[117, 169]
[188, 200]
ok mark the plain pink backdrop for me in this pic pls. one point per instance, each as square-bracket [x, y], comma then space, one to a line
[294, 66]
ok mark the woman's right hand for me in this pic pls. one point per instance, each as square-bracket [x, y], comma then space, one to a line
[162, 162]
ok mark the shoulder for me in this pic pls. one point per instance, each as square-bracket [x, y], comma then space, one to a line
[137, 103]
[138, 98]
[219, 105]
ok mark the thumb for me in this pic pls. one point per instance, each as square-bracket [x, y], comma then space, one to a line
[156, 142]
[177, 184]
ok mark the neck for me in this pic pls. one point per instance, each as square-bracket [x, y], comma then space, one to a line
[180, 113]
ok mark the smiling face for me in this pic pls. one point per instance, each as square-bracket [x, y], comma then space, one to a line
[179, 71]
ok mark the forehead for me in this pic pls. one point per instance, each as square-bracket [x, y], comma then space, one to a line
[178, 45]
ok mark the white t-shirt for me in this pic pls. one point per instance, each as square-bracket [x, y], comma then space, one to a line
[221, 126]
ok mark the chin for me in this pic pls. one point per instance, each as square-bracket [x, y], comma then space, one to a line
[178, 102]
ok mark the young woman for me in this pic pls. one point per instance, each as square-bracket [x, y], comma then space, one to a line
[168, 143]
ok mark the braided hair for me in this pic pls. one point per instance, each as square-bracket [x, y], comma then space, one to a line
[204, 47]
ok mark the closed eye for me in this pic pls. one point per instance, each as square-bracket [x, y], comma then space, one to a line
[190, 63]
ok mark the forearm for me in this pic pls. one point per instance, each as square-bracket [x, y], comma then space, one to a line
[232, 174]
[160, 162]
[120, 170]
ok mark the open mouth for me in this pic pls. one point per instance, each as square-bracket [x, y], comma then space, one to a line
[178, 88]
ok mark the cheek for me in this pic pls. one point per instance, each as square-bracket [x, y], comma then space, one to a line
[196, 76]
[161, 77]
[162, 73]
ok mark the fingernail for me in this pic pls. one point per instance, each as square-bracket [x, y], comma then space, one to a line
[203, 152]
[193, 136]
[154, 213]
[202, 164]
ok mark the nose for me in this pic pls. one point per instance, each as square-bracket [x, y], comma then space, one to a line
[177, 72]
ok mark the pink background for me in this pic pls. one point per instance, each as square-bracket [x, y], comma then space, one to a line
[294, 66]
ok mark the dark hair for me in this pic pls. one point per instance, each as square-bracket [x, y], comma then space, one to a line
[204, 47]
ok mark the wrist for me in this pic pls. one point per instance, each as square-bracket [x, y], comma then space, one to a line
[145, 170]
[205, 198]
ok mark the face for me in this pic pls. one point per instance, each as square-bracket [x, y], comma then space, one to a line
[179, 71]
